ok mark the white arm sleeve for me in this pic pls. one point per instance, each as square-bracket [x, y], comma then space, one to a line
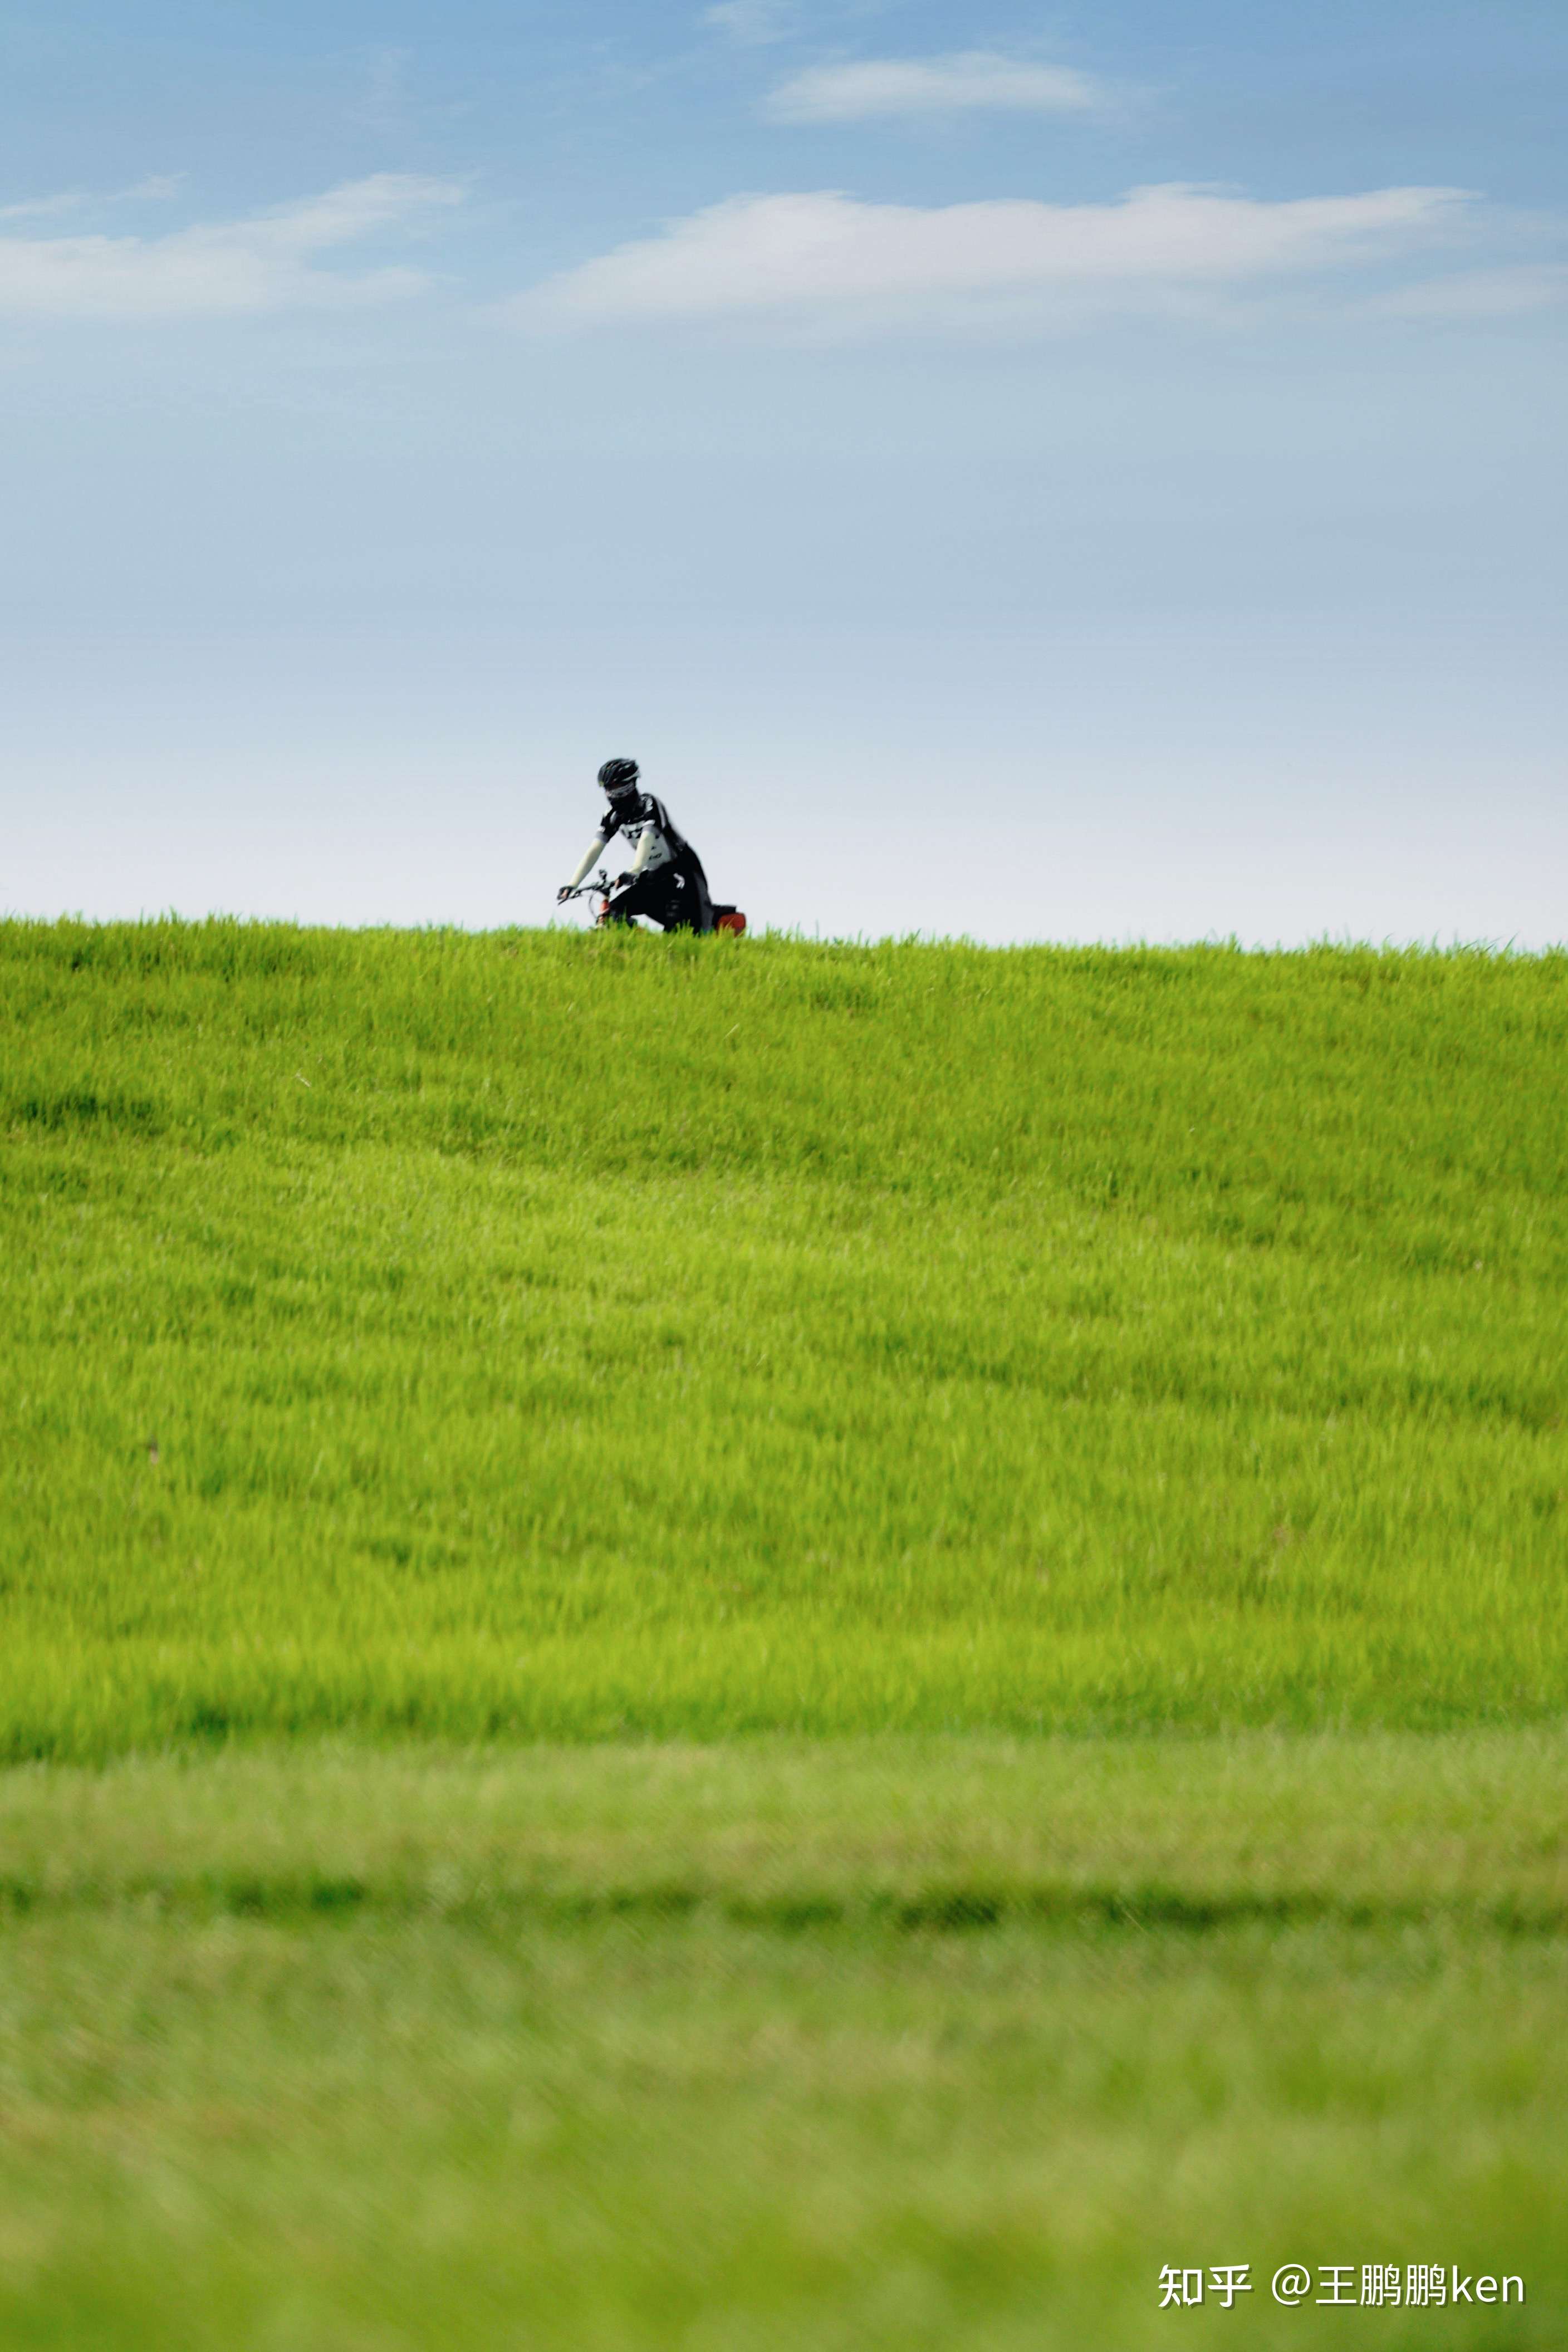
[596, 849]
[645, 850]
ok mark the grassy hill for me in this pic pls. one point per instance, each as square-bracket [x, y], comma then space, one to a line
[718, 1643]
[572, 1336]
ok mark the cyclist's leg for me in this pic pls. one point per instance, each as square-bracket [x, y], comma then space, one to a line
[687, 906]
[643, 896]
[700, 916]
[674, 897]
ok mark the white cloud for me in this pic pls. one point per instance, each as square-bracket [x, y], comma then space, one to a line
[927, 86]
[44, 207]
[1503, 293]
[157, 188]
[828, 261]
[751, 22]
[223, 268]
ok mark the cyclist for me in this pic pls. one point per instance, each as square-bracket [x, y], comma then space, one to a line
[665, 881]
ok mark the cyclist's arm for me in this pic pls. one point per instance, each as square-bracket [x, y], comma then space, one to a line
[645, 849]
[596, 849]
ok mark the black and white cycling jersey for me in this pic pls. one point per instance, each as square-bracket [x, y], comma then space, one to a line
[649, 834]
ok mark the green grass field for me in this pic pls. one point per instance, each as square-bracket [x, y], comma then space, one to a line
[719, 1644]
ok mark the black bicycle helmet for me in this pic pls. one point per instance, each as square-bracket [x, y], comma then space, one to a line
[619, 777]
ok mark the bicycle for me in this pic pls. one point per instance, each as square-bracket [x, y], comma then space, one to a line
[725, 918]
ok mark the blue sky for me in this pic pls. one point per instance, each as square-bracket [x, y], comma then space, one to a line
[1047, 473]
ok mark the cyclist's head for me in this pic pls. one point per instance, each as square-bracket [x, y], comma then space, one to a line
[619, 780]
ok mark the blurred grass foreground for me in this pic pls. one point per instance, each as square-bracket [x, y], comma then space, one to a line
[738, 1644]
